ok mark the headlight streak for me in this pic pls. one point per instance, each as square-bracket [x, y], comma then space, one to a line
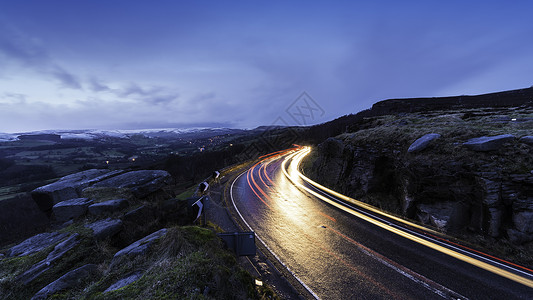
[296, 158]
[264, 244]
[420, 229]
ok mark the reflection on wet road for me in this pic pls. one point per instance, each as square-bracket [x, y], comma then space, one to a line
[340, 250]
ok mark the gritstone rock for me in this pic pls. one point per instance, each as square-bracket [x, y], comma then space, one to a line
[108, 206]
[105, 228]
[71, 209]
[67, 281]
[141, 183]
[488, 143]
[528, 139]
[139, 247]
[44, 265]
[124, 282]
[36, 243]
[422, 143]
[68, 187]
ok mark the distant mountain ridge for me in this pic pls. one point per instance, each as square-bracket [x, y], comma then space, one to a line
[165, 133]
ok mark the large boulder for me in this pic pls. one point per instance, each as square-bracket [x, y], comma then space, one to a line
[141, 183]
[139, 247]
[105, 228]
[71, 209]
[423, 142]
[68, 187]
[488, 143]
[124, 282]
[528, 139]
[36, 243]
[67, 281]
[523, 220]
[140, 215]
[108, 206]
[442, 215]
[59, 250]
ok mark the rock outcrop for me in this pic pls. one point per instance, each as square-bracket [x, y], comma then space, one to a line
[108, 206]
[68, 187]
[71, 209]
[488, 143]
[139, 247]
[141, 183]
[423, 142]
[36, 243]
[105, 228]
[528, 139]
[59, 250]
[124, 282]
[472, 194]
[67, 281]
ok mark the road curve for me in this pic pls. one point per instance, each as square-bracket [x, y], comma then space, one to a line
[339, 248]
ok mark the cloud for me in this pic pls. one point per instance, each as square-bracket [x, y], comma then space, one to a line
[22, 51]
[15, 98]
[66, 79]
[152, 95]
[18, 47]
[96, 85]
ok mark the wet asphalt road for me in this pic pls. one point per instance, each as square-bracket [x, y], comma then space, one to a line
[339, 256]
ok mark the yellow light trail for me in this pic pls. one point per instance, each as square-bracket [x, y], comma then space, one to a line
[293, 168]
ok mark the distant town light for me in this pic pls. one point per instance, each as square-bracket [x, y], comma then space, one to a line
[514, 119]
[107, 162]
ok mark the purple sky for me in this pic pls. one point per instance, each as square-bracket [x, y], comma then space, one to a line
[158, 64]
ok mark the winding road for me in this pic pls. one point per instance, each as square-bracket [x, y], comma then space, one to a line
[340, 248]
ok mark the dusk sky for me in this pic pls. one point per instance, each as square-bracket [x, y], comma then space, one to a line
[163, 64]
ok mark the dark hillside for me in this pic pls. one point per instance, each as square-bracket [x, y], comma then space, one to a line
[363, 120]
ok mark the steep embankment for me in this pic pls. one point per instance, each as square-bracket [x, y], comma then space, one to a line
[483, 189]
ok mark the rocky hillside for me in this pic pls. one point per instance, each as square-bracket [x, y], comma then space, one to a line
[119, 235]
[468, 172]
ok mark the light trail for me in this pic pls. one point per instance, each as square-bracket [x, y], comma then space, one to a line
[296, 158]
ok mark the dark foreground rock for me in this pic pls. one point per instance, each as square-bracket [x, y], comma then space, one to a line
[488, 143]
[124, 282]
[67, 281]
[36, 243]
[103, 229]
[139, 247]
[528, 139]
[68, 187]
[46, 264]
[423, 142]
[71, 209]
[108, 206]
[141, 183]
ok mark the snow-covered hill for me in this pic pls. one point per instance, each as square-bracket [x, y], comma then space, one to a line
[166, 133]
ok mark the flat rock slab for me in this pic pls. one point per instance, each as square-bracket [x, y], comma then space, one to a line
[71, 209]
[139, 247]
[488, 143]
[108, 206]
[423, 142]
[36, 243]
[67, 281]
[68, 187]
[105, 228]
[139, 215]
[124, 282]
[528, 139]
[59, 250]
[141, 183]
